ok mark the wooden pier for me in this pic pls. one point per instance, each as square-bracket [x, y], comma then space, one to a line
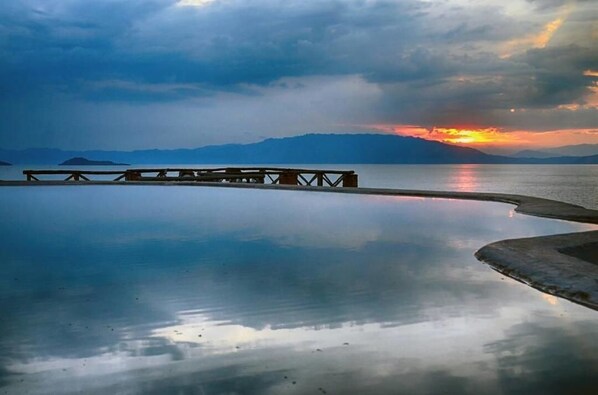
[256, 175]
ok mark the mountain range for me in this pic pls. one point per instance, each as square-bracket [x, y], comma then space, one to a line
[567, 150]
[306, 149]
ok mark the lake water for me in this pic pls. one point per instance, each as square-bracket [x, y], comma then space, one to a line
[183, 290]
[577, 184]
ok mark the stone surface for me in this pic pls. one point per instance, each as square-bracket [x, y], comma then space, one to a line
[550, 264]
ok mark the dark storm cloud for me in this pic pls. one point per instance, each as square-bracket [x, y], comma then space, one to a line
[544, 5]
[547, 4]
[221, 45]
[538, 79]
[235, 42]
[558, 74]
[431, 63]
[59, 44]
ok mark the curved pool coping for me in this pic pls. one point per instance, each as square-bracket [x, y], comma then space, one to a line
[537, 261]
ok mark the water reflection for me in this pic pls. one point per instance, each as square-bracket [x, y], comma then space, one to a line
[465, 178]
[154, 290]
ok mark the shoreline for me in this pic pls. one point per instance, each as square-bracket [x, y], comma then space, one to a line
[552, 264]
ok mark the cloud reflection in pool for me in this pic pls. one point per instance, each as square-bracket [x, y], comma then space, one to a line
[179, 289]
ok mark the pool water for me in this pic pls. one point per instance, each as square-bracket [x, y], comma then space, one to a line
[153, 290]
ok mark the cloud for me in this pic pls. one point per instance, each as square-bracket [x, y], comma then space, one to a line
[121, 113]
[430, 63]
[193, 3]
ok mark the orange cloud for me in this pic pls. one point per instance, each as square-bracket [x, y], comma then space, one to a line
[494, 137]
[540, 39]
[458, 136]
[557, 138]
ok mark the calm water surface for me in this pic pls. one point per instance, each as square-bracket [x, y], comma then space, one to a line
[156, 290]
[577, 184]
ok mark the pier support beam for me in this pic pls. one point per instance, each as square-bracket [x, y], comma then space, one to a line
[350, 180]
[132, 175]
[288, 178]
[320, 178]
[186, 173]
[233, 171]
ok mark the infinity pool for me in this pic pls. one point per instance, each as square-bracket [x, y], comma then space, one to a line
[155, 290]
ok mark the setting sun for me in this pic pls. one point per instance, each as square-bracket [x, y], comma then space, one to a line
[460, 136]
[492, 137]
[467, 136]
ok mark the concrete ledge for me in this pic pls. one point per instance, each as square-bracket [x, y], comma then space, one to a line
[525, 204]
[542, 263]
[537, 261]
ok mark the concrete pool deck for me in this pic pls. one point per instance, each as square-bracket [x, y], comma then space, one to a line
[561, 265]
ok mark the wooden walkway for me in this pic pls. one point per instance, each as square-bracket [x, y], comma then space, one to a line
[254, 175]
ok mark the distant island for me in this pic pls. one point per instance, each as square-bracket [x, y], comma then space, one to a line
[362, 148]
[79, 161]
[4, 163]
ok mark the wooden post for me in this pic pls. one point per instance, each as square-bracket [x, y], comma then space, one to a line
[320, 179]
[350, 181]
[233, 170]
[132, 175]
[186, 173]
[260, 179]
[288, 178]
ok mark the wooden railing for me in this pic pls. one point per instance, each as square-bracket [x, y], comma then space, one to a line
[259, 175]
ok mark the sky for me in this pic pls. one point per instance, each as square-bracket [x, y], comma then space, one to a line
[132, 74]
